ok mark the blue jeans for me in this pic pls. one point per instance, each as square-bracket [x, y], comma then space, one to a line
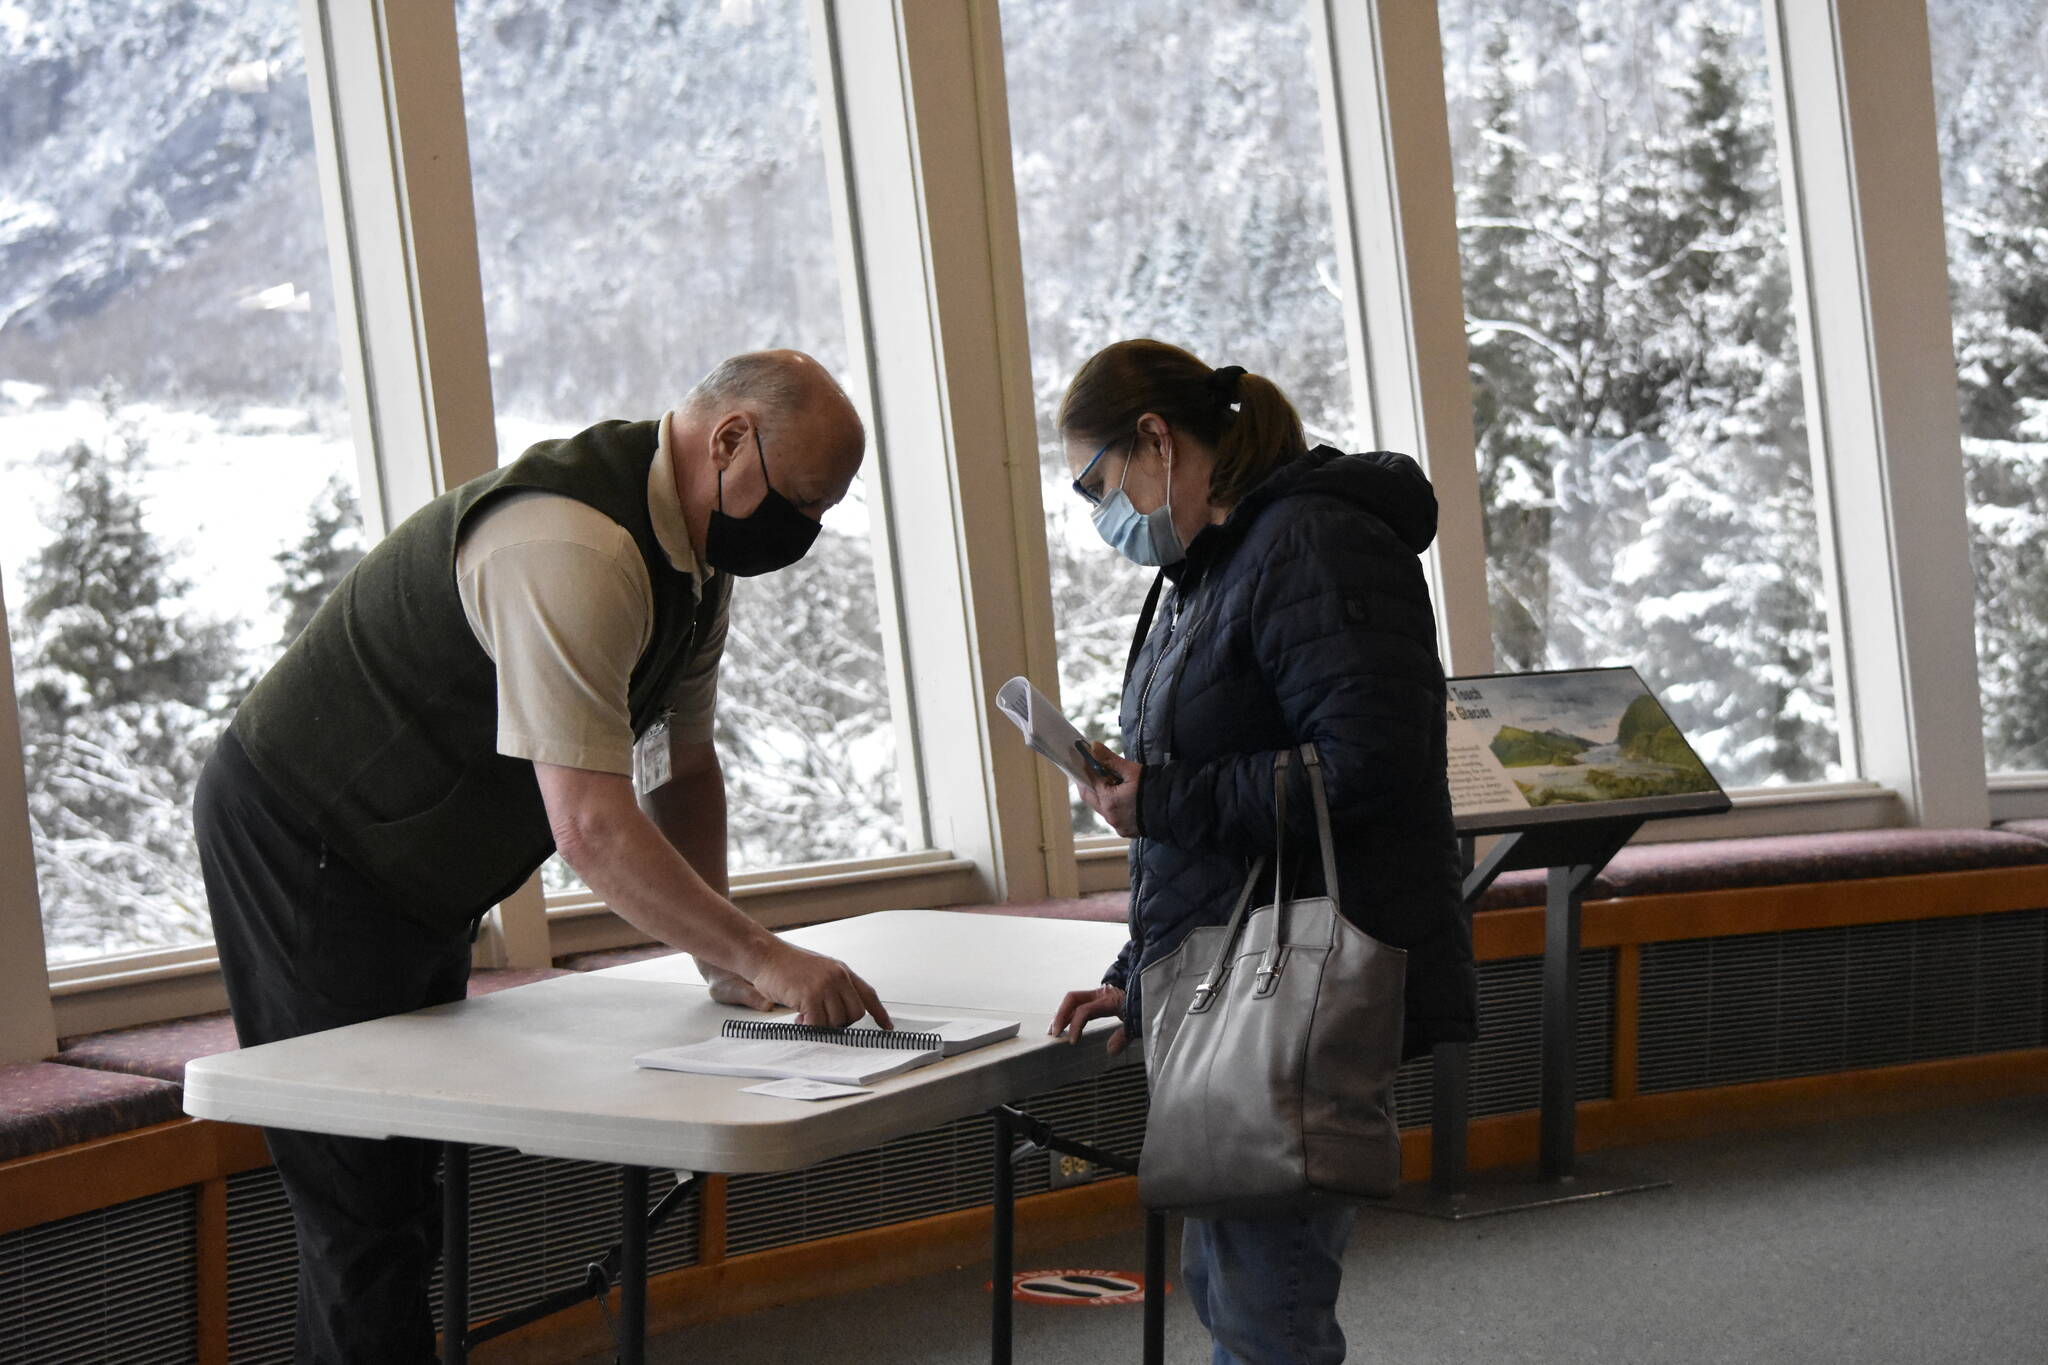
[1267, 1289]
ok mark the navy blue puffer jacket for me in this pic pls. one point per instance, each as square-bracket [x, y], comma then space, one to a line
[1304, 617]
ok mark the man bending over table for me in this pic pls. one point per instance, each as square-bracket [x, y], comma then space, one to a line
[471, 699]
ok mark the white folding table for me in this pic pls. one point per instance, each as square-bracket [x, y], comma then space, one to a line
[547, 1069]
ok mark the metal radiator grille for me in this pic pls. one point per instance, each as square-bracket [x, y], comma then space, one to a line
[263, 1269]
[1506, 1059]
[1768, 1006]
[535, 1222]
[936, 1171]
[114, 1286]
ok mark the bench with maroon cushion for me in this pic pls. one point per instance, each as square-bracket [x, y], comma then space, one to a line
[1639, 870]
[161, 1050]
[1783, 860]
[2032, 829]
[44, 1106]
[100, 1084]
[1709, 865]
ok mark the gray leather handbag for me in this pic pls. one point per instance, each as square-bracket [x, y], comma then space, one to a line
[1271, 1044]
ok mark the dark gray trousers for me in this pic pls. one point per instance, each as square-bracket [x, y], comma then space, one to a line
[307, 943]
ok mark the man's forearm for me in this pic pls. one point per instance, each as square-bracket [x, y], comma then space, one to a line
[689, 810]
[644, 878]
[605, 836]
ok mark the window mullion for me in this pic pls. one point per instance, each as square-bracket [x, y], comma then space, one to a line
[821, 19]
[1857, 113]
[386, 89]
[27, 1025]
[1380, 66]
[386, 82]
[924, 189]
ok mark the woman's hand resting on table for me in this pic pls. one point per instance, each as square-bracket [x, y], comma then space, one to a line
[1117, 804]
[1078, 1007]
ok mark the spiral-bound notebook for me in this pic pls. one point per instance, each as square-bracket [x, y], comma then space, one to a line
[856, 1055]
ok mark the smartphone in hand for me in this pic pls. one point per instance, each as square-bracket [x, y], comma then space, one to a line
[1095, 765]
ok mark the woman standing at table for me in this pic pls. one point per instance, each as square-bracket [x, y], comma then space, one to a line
[1293, 611]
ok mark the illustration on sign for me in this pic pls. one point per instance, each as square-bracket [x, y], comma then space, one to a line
[1527, 741]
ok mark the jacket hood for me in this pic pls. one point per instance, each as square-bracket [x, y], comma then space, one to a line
[1390, 486]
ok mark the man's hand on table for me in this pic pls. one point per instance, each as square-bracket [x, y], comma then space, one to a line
[730, 988]
[822, 990]
[1078, 1007]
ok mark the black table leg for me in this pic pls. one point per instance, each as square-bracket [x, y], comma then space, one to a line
[1005, 1239]
[632, 1265]
[1155, 1288]
[454, 1252]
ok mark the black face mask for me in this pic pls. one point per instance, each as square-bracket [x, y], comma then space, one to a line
[772, 536]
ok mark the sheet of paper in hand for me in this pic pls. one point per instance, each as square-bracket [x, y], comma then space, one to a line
[1043, 727]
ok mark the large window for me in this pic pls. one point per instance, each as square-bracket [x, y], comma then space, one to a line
[180, 483]
[1991, 101]
[650, 198]
[1171, 183]
[1643, 462]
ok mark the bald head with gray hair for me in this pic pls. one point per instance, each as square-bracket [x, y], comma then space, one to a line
[775, 385]
[812, 433]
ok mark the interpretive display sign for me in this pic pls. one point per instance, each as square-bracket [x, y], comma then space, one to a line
[1594, 743]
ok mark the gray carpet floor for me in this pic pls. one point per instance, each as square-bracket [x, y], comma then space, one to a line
[1905, 1239]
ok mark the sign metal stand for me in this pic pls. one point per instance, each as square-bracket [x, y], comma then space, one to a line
[1572, 845]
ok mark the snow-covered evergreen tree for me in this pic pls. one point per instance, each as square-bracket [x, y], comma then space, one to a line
[804, 724]
[311, 568]
[1505, 273]
[1726, 580]
[120, 693]
[1999, 254]
[1636, 376]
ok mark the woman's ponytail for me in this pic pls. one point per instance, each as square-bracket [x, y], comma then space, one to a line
[1264, 434]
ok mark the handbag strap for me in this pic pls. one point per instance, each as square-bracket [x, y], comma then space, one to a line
[1269, 964]
[1280, 762]
[1206, 992]
[1144, 626]
[1313, 762]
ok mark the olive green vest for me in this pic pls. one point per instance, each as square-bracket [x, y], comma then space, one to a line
[379, 725]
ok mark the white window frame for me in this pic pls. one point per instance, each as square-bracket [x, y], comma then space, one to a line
[1855, 93]
[2019, 796]
[385, 83]
[926, 207]
[28, 1030]
[1918, 742]
[1380, 72]
[918, 163]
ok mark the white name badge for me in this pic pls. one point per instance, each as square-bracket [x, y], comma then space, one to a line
[651, 768]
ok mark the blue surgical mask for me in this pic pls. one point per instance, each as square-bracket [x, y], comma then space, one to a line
[1146, 538]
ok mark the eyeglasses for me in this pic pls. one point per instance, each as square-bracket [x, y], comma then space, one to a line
[1089, 495]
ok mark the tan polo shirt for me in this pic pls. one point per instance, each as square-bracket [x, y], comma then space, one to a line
[558, 597]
